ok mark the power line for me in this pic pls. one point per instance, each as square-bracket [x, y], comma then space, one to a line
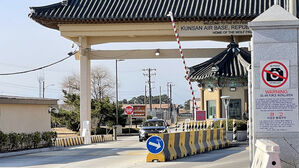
[36, 69]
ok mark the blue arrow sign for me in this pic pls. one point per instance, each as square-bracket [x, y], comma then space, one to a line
[155, 144]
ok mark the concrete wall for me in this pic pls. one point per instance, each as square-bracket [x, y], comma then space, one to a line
[24, 118]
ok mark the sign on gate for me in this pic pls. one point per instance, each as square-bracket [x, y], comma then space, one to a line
[155, 144]
[275, 103]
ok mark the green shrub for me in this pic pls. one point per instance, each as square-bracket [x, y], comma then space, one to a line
[49, 137]
[241, 124]
[3, 140]
[14, 140]
[36, 139]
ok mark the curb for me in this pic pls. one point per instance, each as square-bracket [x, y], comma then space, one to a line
[30, 151]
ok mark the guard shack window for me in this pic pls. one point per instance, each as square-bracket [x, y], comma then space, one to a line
[211, 108]
[235, 109]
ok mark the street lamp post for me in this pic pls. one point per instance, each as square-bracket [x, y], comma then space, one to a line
[225, 100]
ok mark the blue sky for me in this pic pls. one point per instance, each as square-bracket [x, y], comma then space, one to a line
[25, 44]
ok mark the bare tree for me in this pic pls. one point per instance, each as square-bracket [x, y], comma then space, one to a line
[102, 83]
[72, 83]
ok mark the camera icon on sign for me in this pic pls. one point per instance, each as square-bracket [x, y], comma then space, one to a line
[271, 77]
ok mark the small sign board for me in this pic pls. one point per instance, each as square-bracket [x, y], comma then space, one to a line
[129, 110]
[275, 74]
[155, 144]
[139, 111]
[200, 115]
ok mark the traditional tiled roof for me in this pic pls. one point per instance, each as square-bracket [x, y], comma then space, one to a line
[232, 62]
[115, 11]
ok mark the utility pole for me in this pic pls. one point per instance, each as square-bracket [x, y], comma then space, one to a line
[144, 102]
[160, 99]
[169, 85]
[148, 72]
[44, 89]
[160, 111]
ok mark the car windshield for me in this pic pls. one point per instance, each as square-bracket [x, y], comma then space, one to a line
[153, 123]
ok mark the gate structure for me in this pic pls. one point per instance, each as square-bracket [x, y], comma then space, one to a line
[94, 22]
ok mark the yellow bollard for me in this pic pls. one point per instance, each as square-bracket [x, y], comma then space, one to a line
[208, 140]
[172, 152]
[182, 144]
[191, 143]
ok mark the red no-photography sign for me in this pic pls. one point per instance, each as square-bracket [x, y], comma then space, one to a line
[275, 74]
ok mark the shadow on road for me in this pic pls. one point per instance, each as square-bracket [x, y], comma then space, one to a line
[212, 155]
[62, 157]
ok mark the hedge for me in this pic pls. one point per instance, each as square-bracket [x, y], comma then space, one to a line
[20, 141]
[241, 124]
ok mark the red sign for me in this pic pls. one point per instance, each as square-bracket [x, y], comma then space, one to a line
[275, 74]
[139, 111]
[200, 115]
[129, 110]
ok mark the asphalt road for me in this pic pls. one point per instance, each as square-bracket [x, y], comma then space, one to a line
[127, 152]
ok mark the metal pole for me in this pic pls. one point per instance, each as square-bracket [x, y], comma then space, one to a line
[43, 89]
[145, 94]
[193, 110]
[226, 120]
[150, 88]
[160, 99]
[116, 92]
[170, 92]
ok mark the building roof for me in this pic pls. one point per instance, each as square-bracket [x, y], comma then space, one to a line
[120, 11]
[26, 100]
[232, 62]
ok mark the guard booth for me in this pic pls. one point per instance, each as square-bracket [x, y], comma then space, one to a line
[94, 22]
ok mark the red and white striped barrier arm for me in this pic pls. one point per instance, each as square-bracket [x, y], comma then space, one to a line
[182, 56]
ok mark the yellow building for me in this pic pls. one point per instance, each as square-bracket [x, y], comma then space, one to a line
[25, 115]
[223, 75]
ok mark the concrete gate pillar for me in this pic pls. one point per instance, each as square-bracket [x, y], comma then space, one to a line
[275, 51]
[85, 90]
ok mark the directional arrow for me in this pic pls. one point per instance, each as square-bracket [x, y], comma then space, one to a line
[158, 145]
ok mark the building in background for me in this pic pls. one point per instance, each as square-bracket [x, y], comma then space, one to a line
[224, 75]
[25, 115]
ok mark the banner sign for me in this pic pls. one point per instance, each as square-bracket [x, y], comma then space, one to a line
[139, 111]
[200, 115]
[213, 28]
